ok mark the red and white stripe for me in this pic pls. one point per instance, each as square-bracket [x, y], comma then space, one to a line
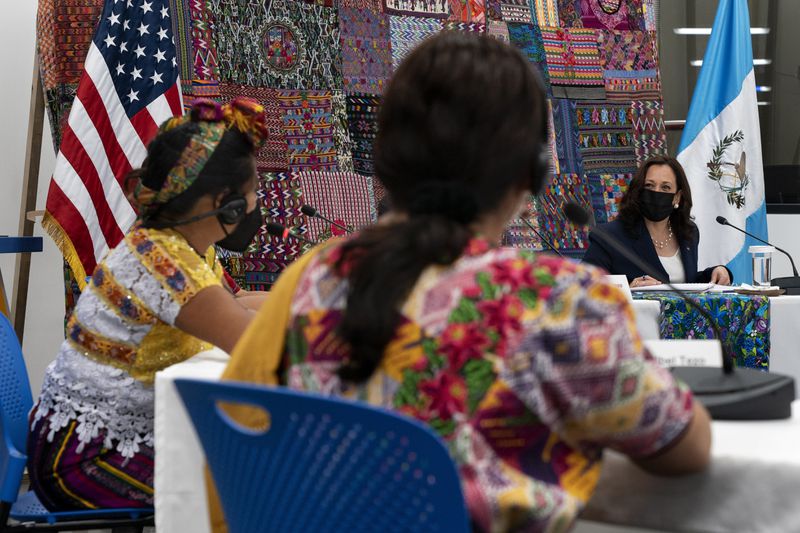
[99, 146]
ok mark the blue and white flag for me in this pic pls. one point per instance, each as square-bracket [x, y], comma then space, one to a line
[721, 145]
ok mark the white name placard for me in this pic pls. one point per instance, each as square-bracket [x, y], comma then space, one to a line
[686, 352]
[621, 282]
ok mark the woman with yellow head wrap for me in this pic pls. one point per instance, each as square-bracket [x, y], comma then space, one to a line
[153, 301]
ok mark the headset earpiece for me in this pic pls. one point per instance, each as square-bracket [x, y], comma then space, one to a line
[232, 209]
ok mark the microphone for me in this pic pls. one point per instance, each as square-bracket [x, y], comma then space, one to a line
[282, 232]
[309, 211]
[740, 394]
[548, 243]
[790, 283]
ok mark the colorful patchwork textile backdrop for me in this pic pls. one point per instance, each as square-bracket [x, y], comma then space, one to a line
[743, 321]
[320, 67]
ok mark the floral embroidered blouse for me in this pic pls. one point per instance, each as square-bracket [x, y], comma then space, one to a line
[527, 365]
[120, 334]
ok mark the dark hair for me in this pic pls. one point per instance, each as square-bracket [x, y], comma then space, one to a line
[228, 169]
[681, 220]
[461, 126]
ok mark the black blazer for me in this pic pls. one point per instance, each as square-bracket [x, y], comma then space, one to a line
[639, 242]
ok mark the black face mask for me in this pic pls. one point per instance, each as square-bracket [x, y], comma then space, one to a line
[240, 238]
[654, 205]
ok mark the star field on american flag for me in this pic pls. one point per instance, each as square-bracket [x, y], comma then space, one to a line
[136, 42]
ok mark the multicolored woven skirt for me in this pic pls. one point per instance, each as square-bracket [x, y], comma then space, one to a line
[65, 479]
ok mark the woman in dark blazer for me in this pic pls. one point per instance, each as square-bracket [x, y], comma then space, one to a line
[655, 223]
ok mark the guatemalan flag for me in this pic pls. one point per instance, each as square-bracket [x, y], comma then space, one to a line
[721, 145]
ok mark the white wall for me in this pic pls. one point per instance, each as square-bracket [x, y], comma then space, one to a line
[45, 313]
[784, 231]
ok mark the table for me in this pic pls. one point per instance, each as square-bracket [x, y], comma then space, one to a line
[751, 486]
[180, 488]
[784, 331]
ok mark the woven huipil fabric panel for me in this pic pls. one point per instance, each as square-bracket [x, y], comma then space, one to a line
[408, 32]
[650, 11]
[284, 44]
[626, 89]
[64, 30]
[519, 235]
[362, 119]
[611, 14]
[467, 11]
[308, 129]
[605, 137]
[528, 39]
[552, 221]
[274, 155]
[629, 50]
[573, 63]
[649, 132]
[566, 131]
[280, 198]
[498, 30]
[366, 51]
[418, 8]
[512, 12]
[345, 197]
[545, 12]
[607, 191]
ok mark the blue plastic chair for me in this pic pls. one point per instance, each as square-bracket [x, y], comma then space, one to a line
[324, 464]
[15, 404]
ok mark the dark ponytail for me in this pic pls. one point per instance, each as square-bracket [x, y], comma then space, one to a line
[460, 128]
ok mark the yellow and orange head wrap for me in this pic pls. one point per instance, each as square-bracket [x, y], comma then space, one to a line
[213, 120]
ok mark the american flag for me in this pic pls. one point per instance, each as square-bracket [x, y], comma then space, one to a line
[128, 88]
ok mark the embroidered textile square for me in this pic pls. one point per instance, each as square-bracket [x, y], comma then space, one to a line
[418, 8]
[552, 221]
[408, 32]
[573, 60]
[274, 154]
[345, 197]
[467, 11]
[283, 44]
[649, 132]
[362, 119]
[625, 89]
[545, 12]
[605, 137]
[611, 14]
[308, 129]
[627, 50]
[366, 53]
[528, 39]
[566, 131]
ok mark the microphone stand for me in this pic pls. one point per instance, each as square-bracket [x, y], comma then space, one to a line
[791, 284]
[740, 394]
[310, 211]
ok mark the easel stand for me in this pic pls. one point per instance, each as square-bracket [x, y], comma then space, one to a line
[30, 187]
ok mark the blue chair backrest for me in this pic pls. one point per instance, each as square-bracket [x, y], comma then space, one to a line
[324, 464]
[15, 404]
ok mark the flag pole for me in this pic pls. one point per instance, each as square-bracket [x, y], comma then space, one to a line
[30, 187]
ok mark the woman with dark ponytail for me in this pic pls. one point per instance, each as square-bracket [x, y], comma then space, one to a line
[527, 365]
